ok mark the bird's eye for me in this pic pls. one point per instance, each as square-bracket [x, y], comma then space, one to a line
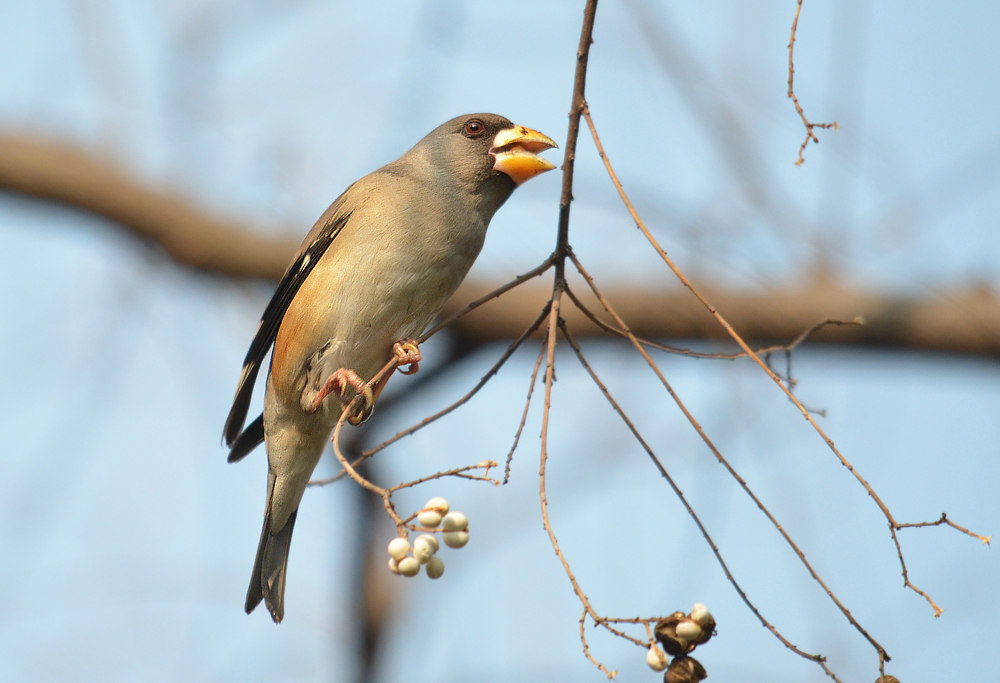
[474, 128]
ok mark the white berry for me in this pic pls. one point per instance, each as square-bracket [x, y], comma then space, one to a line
[700, 613]
[455, 539]
[435, 568]
[398, 548]
[455, 521]
[438, 503]
[393, 565]
[424, 548]
[409, 566]
[429, 519]
[688, 630]
[656, 658]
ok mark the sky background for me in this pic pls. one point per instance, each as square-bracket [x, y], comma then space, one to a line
[127, 539]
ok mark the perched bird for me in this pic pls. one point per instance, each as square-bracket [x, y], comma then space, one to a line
[374, 272]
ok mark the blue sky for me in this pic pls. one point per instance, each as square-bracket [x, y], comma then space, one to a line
[129, 540]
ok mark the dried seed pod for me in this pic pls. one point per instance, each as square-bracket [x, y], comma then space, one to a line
[704, 618]
[887, 679]
[666, 633]
[685, 670]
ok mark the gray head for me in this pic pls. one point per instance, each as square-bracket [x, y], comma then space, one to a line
[485, 155]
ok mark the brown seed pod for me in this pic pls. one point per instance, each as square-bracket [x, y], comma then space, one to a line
[704, 618]
[685, 670]
[666, 633]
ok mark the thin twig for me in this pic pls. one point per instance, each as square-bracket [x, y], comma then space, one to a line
[502, 289]
[586, 648]
[944, 520]
[527, 405]
[457, 472]
[819, 659]
[810, 135]
[577, 106]
[718, 455]
[462, 401]
[384, 494]
[906, 576]
[893, 527]
[549, 380]
[729, 328]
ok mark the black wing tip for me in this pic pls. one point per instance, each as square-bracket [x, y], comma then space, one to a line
[237, 417]
[241, 402]
[249, 439]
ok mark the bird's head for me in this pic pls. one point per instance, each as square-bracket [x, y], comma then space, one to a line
[486, 154]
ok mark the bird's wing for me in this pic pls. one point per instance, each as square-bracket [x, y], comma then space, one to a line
[313, 247]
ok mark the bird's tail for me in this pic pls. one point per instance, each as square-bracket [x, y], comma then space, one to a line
[267, 582]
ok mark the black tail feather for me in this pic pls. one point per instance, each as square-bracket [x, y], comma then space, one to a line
[267, 582]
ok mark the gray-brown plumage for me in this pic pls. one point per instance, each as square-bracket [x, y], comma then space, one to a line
[375, 269]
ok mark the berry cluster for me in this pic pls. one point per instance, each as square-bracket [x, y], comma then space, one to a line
[454, 532]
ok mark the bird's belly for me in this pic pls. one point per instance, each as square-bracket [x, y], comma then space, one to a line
[363, 323]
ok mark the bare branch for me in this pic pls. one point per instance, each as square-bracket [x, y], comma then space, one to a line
[527, 405]
[718, 455]
[461, 472]
[460, 402]
[810, 135]
[739, 340]
[944, 520]
[519, 280]
[963, 320]
[819, 659]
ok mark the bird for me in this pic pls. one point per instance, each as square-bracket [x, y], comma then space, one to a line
[372, 274]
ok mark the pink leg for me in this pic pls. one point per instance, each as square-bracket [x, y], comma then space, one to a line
[338, 383]
[407, 352]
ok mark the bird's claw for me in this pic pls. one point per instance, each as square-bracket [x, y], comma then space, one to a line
[407, 352]
[338, 383]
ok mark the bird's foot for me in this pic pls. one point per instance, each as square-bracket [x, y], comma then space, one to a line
[338, 383]
[407, 352]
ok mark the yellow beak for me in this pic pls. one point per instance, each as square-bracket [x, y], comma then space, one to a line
[516, 151]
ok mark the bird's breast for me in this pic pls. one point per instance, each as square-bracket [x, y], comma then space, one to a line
[385, 277]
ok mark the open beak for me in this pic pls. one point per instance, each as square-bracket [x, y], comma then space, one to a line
[516, 152]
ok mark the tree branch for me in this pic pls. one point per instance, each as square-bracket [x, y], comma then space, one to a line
[960, 320]
[63, 173]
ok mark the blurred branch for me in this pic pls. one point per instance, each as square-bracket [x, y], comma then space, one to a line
[63, 173]
[959, 321]
[963, 320]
